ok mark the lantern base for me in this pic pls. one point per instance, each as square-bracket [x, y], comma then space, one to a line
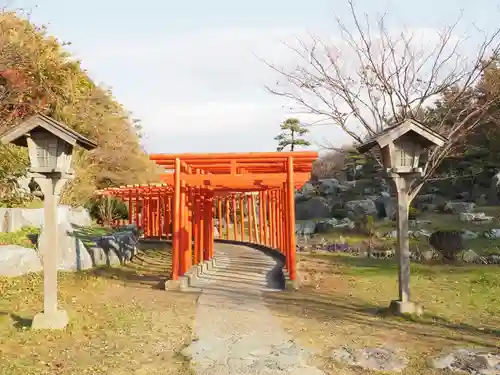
[53, 320]
[405, 308]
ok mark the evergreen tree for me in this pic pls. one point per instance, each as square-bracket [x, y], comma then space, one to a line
[291, 133]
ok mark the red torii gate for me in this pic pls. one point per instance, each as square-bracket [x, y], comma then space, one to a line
[196, 188]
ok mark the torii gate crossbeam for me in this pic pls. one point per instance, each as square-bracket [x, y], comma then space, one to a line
[255, 192]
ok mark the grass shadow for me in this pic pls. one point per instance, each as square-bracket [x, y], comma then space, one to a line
[20, 322]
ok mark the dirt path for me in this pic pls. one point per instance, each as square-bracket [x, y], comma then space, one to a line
[235, 331]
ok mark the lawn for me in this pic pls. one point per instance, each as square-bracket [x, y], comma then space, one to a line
[343, 298]
[120, 322]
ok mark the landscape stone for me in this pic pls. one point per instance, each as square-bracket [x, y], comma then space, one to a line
[459, 207]
[17, 260]
[364, 207]
[493, 259]
[316, 207]
[378, 359]
[305, 228]
[14, 219]
[468, 256]
[428, 255]
[475, 217]
[325, 226]
[492, 234]
[469, 235]
[469, 361]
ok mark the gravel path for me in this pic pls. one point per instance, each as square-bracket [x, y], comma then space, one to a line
[235, 332]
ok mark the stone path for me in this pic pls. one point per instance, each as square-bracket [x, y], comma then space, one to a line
[235, 332]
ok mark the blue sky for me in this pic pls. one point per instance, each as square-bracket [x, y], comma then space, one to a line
[188, 69]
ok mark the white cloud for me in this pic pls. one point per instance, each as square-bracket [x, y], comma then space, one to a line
[209, 82]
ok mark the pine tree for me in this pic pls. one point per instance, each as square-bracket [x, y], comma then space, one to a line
[291, 134]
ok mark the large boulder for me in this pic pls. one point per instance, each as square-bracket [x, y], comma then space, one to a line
[16, 261]
[329, 186]
[363, 207]
[307, 191]
[73, 255]
[13, 219]
[316, 207]
[326, 226]
[386, 206]
[305, 228]
[459, 207]
[477, 217]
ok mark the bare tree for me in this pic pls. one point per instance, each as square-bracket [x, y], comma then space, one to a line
[377, 77]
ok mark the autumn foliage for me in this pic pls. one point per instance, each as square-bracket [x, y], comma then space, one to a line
[37, 74]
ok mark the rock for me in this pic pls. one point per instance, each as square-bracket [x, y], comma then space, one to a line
[492, 234]
[468, 256]
[13, 219]
[329, 186]
[429, 207]
[307, 191]
[386, 206]
[325, 226]
[305, 228]
[493, 259]
[364, 207]
[469, 235]
[314, 208]
[378, 359]
[421, 233]
[428, 255]
[459, 207]
[469, 361]
[346, 223]
[424, 201]
[16, 261]
[476, 217]
[73, 255]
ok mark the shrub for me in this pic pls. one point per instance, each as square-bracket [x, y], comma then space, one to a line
[413, 213]
[105, 210]
[448, 242]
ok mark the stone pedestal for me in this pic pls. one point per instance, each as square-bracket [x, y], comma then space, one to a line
[405, 308]
[50, 320]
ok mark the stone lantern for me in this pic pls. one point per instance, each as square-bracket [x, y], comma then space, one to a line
[50, 147]
[400, 147]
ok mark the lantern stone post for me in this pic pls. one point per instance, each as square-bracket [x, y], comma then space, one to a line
[400, 148]
[50, 146]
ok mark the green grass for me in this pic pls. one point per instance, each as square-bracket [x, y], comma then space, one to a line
[120, 323]
[19, 237]
[343, 301]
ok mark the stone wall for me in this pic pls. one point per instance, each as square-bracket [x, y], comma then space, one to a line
[78, 248]
[13, 219]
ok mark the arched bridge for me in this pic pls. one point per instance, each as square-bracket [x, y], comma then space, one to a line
[247, 197]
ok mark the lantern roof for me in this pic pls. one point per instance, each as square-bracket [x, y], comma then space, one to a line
[17, 135]
[421, 133]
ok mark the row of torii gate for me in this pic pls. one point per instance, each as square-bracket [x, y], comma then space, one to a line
[196, 189]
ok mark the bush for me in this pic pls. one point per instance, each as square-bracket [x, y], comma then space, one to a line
[448, 242]
[105, 210]
[413, 213]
